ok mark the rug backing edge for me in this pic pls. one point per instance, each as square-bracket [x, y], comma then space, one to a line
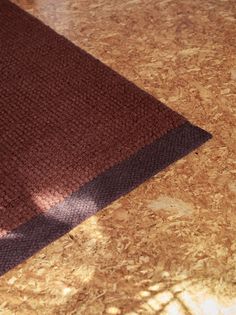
[24, 241]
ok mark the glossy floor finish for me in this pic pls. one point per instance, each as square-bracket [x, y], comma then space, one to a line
[168, 247]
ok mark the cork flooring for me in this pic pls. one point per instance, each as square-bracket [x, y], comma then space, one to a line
[180, 257]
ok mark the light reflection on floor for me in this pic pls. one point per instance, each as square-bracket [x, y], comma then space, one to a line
[185, 298]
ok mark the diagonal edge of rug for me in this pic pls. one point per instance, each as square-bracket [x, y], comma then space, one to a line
[30, 237]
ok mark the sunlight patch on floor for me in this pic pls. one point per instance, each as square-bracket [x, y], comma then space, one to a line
[184, 298]
[186, 303]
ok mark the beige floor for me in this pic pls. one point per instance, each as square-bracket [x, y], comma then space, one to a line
[169, 247]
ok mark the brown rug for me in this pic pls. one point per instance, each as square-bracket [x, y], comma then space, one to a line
[74, 135]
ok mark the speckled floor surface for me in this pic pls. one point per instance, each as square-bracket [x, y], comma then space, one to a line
[181, 257]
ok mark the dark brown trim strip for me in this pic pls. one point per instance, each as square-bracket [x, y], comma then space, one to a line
[32, 236]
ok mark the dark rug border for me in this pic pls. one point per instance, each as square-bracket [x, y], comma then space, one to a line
[35, 234]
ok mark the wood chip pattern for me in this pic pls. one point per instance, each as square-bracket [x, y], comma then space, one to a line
[180, 258]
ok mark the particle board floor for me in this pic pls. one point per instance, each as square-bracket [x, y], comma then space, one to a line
[169, 247]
